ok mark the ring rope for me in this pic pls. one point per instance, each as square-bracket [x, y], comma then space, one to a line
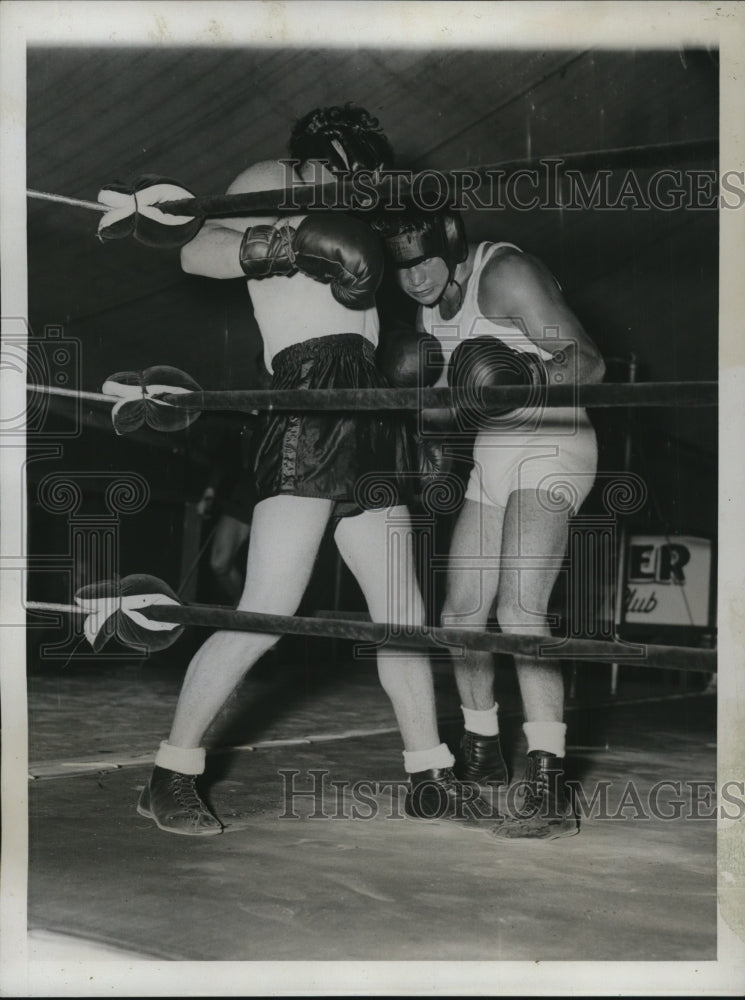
[53, 390]
[344, 191]
[655, 656]
[602, 395]
[93, 206]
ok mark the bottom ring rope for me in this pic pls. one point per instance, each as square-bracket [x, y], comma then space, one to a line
[168, 614]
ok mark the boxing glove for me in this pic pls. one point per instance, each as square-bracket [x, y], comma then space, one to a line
[409, 359]
[266, 251]
[335, 249]
[483, 363]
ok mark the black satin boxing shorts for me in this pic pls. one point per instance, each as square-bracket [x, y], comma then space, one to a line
[360, 460]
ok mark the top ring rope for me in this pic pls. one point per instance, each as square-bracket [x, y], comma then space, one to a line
[346, 192]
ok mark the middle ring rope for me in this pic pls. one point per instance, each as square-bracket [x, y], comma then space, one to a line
[602, 395]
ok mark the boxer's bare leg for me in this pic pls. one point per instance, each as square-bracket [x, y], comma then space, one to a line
[285, 537]
[473, 581]
[377, 547]
[471, 590]
[535, 538]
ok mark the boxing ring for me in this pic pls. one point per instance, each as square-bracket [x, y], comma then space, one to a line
[311, 863]
[314, 860]
[316, 864]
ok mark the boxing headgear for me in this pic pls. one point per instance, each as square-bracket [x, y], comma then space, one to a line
[415, 236]
[347, 138]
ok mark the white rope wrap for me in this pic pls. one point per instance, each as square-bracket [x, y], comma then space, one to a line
[122, 205]
[126, 393]
[101, 609]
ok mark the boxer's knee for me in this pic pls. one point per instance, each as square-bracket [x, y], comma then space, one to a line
[516, 616]
[220, 562]
[463, 609]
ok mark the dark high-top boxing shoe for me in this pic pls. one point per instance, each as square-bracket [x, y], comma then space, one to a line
[480, 760]
[546, 812]
[437, 794]
[172, 801]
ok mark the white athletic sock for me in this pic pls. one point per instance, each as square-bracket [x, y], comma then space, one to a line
[547, 736]
[426, 760]
[482, 722]
[184, 760]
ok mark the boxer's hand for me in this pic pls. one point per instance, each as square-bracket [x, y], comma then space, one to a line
[484, 363]
[344, 253]
[133, 211]
[266, 251]
[337, 250]
[409, 359]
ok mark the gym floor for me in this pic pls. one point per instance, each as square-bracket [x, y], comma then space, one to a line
[343, 876]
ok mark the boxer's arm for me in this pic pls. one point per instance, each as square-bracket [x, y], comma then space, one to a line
[215, 250]
[213, 253]
[518, 288]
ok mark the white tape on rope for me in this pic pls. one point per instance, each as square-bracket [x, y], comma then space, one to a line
[101, 609]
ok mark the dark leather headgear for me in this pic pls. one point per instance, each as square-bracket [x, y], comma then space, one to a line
[348, 138]
[413, 236]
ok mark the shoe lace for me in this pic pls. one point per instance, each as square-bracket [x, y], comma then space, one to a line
[185, 791]
[536, 788]
[447, 778]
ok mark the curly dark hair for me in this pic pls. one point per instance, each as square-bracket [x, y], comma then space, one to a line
[363, 144]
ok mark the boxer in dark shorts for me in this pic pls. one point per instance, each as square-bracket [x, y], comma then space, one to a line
[350, 457]
[312, 281]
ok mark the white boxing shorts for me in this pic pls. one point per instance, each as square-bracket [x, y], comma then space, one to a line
[560, 461]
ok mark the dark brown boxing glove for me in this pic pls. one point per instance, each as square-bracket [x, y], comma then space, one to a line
[332, 248]
[409, 359]
[484, 363]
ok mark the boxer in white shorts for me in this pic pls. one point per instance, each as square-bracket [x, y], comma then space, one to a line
[554, 449]
[532, 469]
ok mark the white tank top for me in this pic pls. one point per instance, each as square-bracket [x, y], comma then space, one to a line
[291, 310]
[295, 309]
[470, 322]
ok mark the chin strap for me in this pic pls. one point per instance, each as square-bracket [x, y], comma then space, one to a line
[460, 294]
